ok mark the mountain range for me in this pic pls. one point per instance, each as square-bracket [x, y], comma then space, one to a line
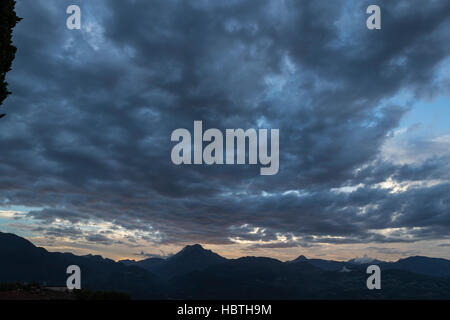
[197, 273]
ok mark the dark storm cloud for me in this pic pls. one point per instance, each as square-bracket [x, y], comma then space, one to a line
[379, 171]
[278, 245]
[99, 238]
[88, 132]
[59, 232]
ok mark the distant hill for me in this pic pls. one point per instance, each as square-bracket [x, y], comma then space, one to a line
[265, 278]
[434, 267]
[197, 273]
[128, 262]
[150, 264]
[248, 278]
[327, 265]
[21, 261]
[191, 258]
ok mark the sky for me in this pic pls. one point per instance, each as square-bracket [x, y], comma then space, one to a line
[363, 116]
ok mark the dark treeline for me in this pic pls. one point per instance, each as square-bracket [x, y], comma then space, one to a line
[8, 20]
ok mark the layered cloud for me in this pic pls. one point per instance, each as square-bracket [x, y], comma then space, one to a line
[87, 139]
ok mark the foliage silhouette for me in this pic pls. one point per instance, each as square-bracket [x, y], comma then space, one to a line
[8, 20]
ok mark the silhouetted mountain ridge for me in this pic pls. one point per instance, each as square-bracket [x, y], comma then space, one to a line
[300, 258]
[190, 258]
[21, 261]
[197, 273]
[435, 267]
[11, 242]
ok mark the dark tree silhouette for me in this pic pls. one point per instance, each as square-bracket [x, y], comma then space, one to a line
[8, 20]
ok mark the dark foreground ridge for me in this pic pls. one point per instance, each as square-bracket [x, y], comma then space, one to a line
[197, 273]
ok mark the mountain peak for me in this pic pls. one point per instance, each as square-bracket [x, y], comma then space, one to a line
[12, 242]
[193, 248]
[196, 252]
[300, 258]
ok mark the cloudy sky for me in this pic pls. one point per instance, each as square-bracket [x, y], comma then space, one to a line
[364, 120]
